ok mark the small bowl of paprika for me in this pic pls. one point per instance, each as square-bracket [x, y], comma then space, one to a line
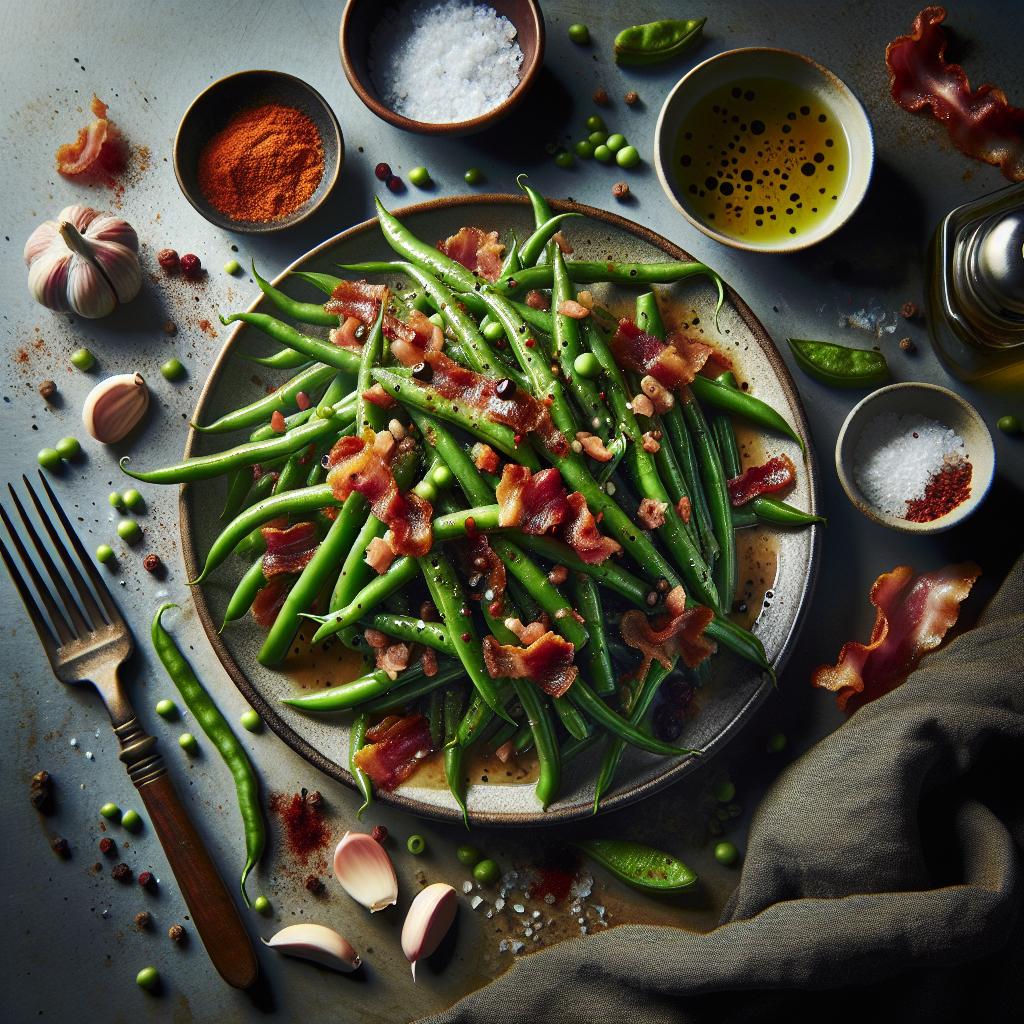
[258, 151]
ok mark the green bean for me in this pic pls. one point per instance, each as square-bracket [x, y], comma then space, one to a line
[368, 415]
[549, 763]
[309, 347]
[239, 487]
[548, 596]
[523, 740]
[356, 739]
[682, 447]
[732, 400]
[542, 213]
[575, 724]
[245, 593]
[285, 359]
[533, 248]
[453, 756]
[216, 727]
[599, 662]
[420, 686]
[401, 571]
[355, 572]
[294, 471]
[413, 631]
[743, 519]
[435, 718]
[781, 513]
[305, 312]
[348, 695]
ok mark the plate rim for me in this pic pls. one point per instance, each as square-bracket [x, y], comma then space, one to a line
[555, 816]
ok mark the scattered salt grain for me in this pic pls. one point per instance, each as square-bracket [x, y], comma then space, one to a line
[499, 904]
[527, 932]
[517, 946]
[90, 756]
[476, 901]
[441, 62]
[518, 908]
[73, 742]
[467, 887]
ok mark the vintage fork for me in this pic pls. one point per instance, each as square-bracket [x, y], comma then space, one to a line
[87, 641]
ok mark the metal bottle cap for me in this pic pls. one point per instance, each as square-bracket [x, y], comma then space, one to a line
[995, 266]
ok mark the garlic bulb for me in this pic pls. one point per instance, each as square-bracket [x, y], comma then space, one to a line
[84, 262]
[365, 871]
[115, 406]
[430, 916]
[318, 943]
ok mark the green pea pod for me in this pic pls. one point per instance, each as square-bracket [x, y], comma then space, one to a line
[656, 41]
[217, 730]
[839, 365]
[639, 866]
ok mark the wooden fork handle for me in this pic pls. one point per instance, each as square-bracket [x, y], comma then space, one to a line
[214, 913]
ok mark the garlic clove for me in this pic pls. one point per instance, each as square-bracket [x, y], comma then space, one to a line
[108, 228]
[89, 293]
[365, 871]
[318, 943]
[120, 266]
[40, 240]
[48, 278]
[79, 215]
[115, 406]
[427, 922]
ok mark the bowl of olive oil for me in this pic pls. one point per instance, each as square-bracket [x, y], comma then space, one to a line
[764, 149]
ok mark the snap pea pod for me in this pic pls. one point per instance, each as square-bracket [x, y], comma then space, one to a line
[401, 572]
[533, 248]
[418, 685]
[839, 365]
[251, 583]
[640, 45]
[640, 866]
[549, 776]
[239, 487]
[732, 400]
[309, 347]
[453, 756]
[682, 447]
[216, 728]
[310, 381]
[363, 782]
[305, 312]
[413, 631]
[599, 662]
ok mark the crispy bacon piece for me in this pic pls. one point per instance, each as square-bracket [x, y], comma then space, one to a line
[656, 393]
[99, 148]
[379, 555]
[505, 752]
[574, 310]
[395, 749]
[532, 502]
[289, 550]
[547, 662]
[394, 658]
[674, 364]
[651, 443]
[413, 338]
[485, 458]
[593, 446]
[580, 532]
[776, 474]
[684, 509]
[981, 123]
[563, 243]
[479, 251]
[358, 299]
[428, 662]
[486, 571]
[349, 335]
[911, 617]
[526, 634]
[356, 464]
[379, 397]
[651, 513]
[677, 631]
[537, 300]
[269, 600]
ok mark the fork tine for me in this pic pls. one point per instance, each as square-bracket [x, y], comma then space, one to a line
[113, 613]
[59, 625]
[71, 610]
[46, 636]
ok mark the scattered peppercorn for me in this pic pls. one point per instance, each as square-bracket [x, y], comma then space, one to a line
[47, 390]
[143, 920]
[382, 171]
[600, 97]
[314, 800]
[423, 372]
[121, 872]
[907, 345]
[168, 259]
[107, 846]
[190, 265]
[505, 388]
[558, 575]
[176, 933]
[910, 310]
[170, 328]
[620, 190]
[147, 881]
[152, 563]
[61, 847]
[632, 97]
[314, 885]
[394, 183]
[379, 834]
[41, 792]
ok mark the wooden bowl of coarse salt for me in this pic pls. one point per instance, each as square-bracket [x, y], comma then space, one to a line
[442, 67]
[915, 457]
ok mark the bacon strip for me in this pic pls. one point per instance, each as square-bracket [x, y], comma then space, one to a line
[776, 474]
[396, 749]
[981, 123]
[99, 146]
[580, 532]
[547, 662]
[269, 600]
[379, 555]
[673, 365]
[349, 335]
[289, 550]
[486, 572]
[651, 513]
[911, 618]
[532, 502]
[679, 631]
[356, 464]
[412, 339]
[359, 299]
[476, 250]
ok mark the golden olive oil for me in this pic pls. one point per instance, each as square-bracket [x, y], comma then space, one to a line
[762, 161]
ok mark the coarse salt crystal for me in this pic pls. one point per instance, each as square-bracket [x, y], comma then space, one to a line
[518, 908]
[499, 904]
[467, 887]
[476, 901]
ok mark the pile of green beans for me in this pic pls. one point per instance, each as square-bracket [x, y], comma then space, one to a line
[434, 603]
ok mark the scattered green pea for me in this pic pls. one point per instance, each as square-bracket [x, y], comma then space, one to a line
[726, 853]
[131, 820]
[111, 812]
[416, 845]
[82, 359]
[603, 155]
[129, 530]
[166, 708]
[616, 142]
[441, 477]
[115, 499]
[426, 490]
[494, 331]
[598, 138]
[104, 553]
[49, 458]
[473, 176]
[133, 499]
[468, 855]
[486, 872]
[579, 34]
[1009, 425]
[627, 156]
[148, 978]
[565, 159]
[251, 721]
[232, 267]
[586, 365]
[261, 905]
[776, 743]
[595, 123]
[172, 369]
[188, 742]
[420, 177]
[584, 149]
[725, 791]
[68, 448]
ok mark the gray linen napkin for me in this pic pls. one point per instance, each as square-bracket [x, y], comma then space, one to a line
[883, 875]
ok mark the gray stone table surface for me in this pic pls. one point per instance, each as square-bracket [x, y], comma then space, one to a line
[69, 947]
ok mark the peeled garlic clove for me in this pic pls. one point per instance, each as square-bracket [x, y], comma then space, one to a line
[115, 406]
[318, 943]
[365, 871]
[430, 916]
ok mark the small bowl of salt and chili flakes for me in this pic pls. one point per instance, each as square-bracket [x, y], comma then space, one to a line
[258, 151]
[915, 457]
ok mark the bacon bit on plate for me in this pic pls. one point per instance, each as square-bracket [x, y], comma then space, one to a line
[573, 309]
[547, 662]
[563, 243]
[349, 335]
[356, 464]
[379, 397]
[411, 339]
[379, 555]
[98, 150]
[684, 509]
[479, 251]
[289, 550]
[485, 458]
[358, 299]
[912, 615]
[674, 364]
[394, 659]
[537, 300]
[776, 474]
[580, 532]
[593, 446]
[677, 631]
[651, 513]
[526, 634]
[395, 748]
[657, 394]
[269, 600]
[532, 502]
[981, 123]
